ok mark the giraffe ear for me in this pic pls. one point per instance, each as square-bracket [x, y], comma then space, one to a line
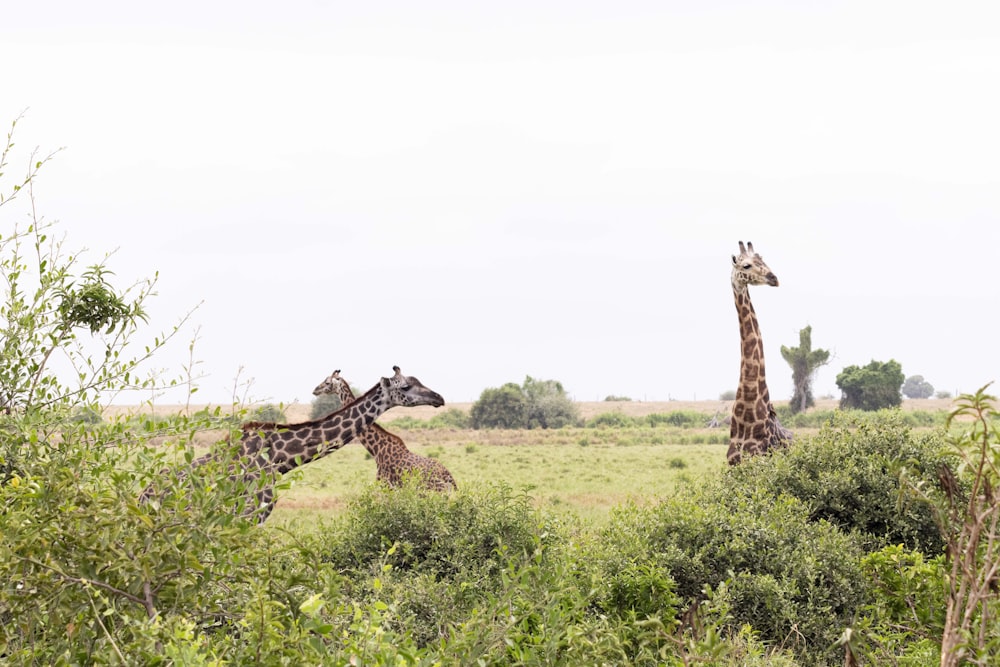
[734, 260]
[743, 248]
[749, 246]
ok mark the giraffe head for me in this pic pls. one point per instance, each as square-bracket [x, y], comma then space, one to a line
[329, 385]
[749, 269]
[407, 391]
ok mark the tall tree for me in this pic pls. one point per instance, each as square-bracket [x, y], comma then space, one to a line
[804, 362]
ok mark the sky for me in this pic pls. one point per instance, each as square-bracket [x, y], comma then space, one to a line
[479, 192]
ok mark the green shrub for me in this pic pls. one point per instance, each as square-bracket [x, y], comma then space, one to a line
[611, 420]
[849, 474]
[440, 534]
[795, 581]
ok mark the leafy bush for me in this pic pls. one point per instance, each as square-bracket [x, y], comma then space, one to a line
[438, 534]
[794, 580]
[849, 474]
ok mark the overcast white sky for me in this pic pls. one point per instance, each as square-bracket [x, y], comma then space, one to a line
[479, 192]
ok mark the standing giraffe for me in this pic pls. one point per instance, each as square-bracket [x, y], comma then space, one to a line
[268, 450]
[754, 428]
[392, 458]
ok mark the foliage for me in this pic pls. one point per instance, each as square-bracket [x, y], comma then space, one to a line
[873, 387]
[728, 395]
[535, 404]
[902, 621]
[849, 475]
[804, 362]
[916, 387]
[619, 399]
[323, 405]
[968, 512]
[793, 580]
[451, 418]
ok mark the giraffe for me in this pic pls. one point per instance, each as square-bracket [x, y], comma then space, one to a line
[754, 428]
[391, 455]
[268, 450]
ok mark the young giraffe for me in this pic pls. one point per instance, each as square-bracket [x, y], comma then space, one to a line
[754, 428]
[269, 450]
[391, 455]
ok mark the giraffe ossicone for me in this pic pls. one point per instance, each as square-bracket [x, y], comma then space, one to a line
[268, 450]
[754, 427]
[393, 460]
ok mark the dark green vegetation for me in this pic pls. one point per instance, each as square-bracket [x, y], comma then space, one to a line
[767, 563]
[534, 404]
[872, 387]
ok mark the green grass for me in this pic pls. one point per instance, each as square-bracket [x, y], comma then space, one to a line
[584, 472]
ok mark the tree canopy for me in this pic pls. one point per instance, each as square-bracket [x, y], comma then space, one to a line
[873, 387]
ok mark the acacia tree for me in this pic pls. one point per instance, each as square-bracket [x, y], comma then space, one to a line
[804, 362]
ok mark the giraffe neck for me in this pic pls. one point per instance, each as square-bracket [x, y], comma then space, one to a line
[370, 439]
[751, 427]
[292, 445]
[753, 384]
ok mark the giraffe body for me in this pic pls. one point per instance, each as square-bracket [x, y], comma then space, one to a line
[268, 450]
[754, 427]
[392, 458]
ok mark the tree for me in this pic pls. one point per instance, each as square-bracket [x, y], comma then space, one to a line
[874, 387]
[535, 404]
[916, 387]
[548, 404]
[804, 362]
[503, 407]
[323, 405]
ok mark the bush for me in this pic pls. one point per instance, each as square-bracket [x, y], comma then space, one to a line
[438, 534]
[849, 474]
[681, 418]
[794, 580]
[611, 420]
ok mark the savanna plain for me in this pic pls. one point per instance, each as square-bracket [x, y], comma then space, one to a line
[586, 471]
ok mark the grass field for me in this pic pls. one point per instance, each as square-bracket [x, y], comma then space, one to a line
[582, 471]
